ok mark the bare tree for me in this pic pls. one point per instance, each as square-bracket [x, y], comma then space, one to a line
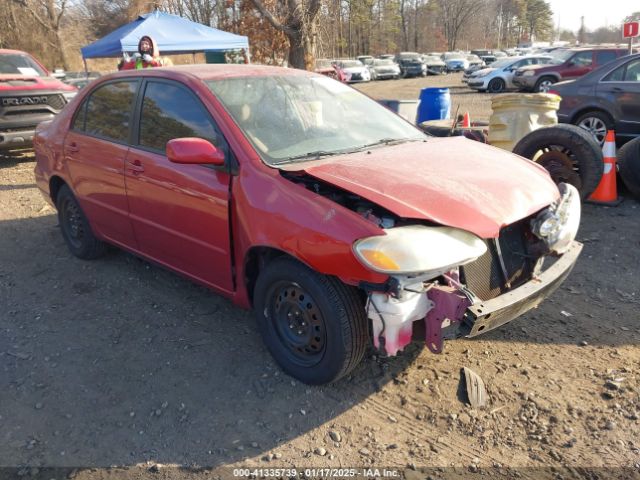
[454, 15]
[49, 15]
[300, 27]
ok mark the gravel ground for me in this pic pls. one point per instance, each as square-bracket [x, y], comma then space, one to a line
[118, 363]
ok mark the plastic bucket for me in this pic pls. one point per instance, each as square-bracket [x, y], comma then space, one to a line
[515, 115]
[435, 104]
[405, 108]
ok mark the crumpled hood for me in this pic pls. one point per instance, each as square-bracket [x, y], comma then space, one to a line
[483, 71]
[451, 181]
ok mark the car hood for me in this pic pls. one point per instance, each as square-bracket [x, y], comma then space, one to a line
[450, 181]
[31, 82]
[354, 69]
[483, 71]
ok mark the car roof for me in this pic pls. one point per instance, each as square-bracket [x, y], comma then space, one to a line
[8, 50]
[211, 71]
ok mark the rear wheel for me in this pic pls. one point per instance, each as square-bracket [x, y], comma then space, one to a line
[544, 84]
[314, 326]
[568, 153]
[75, 227]
[597, 123]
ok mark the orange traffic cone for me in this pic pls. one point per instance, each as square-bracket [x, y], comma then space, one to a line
[466, 120]
[607, 192]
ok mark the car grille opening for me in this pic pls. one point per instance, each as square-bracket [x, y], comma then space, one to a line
[486, 276]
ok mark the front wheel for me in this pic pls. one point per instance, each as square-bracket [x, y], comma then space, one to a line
[314, 326]
[496, 85]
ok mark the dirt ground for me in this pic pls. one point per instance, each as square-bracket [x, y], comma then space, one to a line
[118, 363]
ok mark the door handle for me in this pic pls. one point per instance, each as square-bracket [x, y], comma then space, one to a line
[73, 147]
[617, 89]
[136, 166]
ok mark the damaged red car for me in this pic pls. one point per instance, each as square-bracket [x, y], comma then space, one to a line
[337, 221]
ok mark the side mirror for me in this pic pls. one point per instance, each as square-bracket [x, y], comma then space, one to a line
[194, 151]
[571, 63]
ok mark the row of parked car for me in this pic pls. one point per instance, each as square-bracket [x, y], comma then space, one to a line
[365, 68]
[538, 72]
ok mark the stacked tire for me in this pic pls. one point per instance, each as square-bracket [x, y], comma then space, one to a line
[629, 166]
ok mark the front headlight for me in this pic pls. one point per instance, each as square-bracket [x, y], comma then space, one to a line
[69, 95]
[529, 73]
[419, 249]
[558, 225]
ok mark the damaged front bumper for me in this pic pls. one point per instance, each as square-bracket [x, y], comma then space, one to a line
[453, 311]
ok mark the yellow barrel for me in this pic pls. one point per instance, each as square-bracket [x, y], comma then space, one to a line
[516, 114]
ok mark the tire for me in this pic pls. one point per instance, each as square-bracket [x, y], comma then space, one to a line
[569, 154]
[75, 227]
[543, 84]
[446, 131]
[629, 166]
[497, 85]
[333, 328]
[597, 123]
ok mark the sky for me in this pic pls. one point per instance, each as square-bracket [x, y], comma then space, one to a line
[597, 13]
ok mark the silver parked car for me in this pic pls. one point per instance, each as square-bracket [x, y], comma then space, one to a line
[384, 68]
[435, 65]
[499, 76]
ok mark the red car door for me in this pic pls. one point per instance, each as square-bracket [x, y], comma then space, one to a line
[179, 212]
[95, 150]
[580, 64]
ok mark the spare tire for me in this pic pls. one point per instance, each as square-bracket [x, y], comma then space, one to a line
[568, 153]
[629, 166]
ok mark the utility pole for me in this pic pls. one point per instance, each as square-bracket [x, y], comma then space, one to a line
[581, 32]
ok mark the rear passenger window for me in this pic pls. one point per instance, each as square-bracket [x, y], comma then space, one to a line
[108, 110]
[170, 111]
[605, 56]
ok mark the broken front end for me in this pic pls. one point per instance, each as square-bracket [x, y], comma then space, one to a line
[457, 284]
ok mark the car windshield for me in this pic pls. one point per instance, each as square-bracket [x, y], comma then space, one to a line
[385, 61]
[292, 118]
[561, 56]
[16, 64]
[350, 63]
[453, 56]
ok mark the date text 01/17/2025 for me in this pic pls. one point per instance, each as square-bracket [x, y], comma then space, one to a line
[312, 473]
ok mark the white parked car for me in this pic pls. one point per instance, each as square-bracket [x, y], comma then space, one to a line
[354, 71]
[499, 76]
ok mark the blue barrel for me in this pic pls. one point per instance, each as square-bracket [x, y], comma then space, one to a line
[435, 104]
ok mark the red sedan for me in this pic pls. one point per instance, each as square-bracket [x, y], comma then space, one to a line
[337, 221]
